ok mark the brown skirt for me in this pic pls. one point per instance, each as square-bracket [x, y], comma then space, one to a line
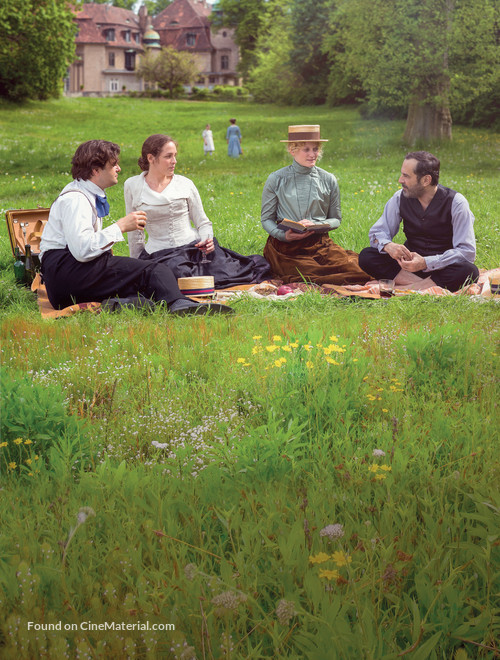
[314, 259]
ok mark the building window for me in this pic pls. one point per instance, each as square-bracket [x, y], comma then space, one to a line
[113, 85]
[109, 34]
[212, 80]
[130, 60]
[190, 39]
[111, 59]
[126, 36]
[137, 38]
[224, 62]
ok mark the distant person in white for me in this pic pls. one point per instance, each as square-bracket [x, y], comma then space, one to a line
[208, 141]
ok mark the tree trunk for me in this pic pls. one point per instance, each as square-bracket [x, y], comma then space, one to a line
[427, 122]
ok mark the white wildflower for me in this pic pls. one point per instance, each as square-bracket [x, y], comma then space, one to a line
[332, 531]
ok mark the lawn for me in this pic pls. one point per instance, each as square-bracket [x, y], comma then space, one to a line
[309, 479]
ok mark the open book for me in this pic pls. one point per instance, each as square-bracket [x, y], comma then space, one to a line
[300, 229]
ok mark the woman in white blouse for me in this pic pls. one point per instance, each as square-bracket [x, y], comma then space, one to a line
[179, 232]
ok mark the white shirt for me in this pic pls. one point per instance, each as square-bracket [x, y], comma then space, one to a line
[462, 220]
[73, 223]
[175, 216]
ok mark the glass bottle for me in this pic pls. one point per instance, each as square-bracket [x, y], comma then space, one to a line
[19, 269]
[29, 266]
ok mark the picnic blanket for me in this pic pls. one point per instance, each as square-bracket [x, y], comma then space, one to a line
[269, 288]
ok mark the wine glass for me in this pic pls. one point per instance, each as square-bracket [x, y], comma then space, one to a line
[204, 258]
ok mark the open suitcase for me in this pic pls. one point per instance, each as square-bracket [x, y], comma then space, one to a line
[25, 227]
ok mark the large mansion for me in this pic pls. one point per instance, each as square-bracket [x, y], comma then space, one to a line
[111, 41]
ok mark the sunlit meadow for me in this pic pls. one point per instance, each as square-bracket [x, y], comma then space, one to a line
[314, 478]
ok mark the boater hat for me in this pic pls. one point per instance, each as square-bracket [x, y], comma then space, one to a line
[306, 133]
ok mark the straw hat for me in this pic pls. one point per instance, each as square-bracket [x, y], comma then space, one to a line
[305, 133]
[196, 286]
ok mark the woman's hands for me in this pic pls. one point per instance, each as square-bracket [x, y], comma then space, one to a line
[291, 235]
[206, 246]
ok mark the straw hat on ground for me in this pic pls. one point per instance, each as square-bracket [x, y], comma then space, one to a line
[304, 133]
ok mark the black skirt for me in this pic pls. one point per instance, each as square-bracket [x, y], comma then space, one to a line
[228, 268]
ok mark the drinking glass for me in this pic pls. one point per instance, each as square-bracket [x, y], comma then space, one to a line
[386, 288]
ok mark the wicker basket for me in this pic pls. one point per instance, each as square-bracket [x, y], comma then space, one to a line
[197, 286]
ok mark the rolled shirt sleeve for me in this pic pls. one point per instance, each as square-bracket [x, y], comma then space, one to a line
[197, 214]
[387, 226]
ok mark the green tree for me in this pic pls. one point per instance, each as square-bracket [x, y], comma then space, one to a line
[406, 56]
[169, 68]
[272, 80]
[37, 44]
[246, 17]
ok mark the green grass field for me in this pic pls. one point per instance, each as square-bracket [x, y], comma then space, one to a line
[310, 479]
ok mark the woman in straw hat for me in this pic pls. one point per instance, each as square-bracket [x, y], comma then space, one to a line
[304, 193]
[179, 232]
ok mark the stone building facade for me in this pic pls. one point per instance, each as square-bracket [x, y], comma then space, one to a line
[111, 40]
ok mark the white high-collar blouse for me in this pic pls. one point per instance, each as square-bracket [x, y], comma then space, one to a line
[175, 216]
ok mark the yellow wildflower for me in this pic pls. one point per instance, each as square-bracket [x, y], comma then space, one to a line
[287, 349]
[384, 410]
[3, 444]
[373, 467]
[28, 461]
[12, 465]
[27, 442]
[320, 558]
[18, 441]
[277, 338]
[334, 338]
[241, 360]
[341, 559]
[257, 337]
[328, 574]
[294, 344]
[387, 468]
[272, 348]
[380, 476]
[309, 364]
[332, 361]
[257, 349]
[308, 347]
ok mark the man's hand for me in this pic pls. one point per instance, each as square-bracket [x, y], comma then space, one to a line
[206, 246]
[397, 251]
[132, 221]
[415, 263]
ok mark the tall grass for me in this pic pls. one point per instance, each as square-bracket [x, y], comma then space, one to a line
[307, 479]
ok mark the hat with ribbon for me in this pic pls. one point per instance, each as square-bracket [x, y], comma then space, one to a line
[305, 133]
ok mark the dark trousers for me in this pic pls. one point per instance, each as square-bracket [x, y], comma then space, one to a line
[69, 281]
[383, 267]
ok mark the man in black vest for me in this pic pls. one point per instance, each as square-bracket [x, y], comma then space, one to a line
[440, 246]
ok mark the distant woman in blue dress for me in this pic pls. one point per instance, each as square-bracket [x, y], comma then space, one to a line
[233, 138]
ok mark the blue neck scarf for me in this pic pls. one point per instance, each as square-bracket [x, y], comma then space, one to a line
[102, 206]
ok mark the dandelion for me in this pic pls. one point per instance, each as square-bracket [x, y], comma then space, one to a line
[320, 558]
[18, 441]
[341, 559]
[241, 360]
[378, 452]
[27, 442]
[272, 348]
[285, 610]
[332, 531]
[384, 410]
[3, 444]
[294, 344]
[329, 574]
[333, 338]
[287, 349]
[387, 468]
[257, 337]
[12, 465]
[332, 361]
[277, 338]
